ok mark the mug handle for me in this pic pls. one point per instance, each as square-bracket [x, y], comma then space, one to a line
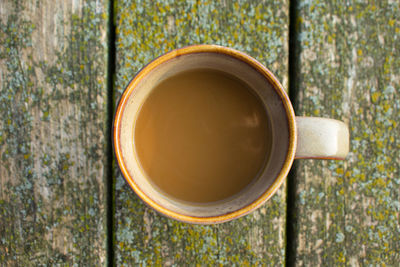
[321, 138]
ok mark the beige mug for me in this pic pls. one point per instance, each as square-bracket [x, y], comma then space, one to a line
[292, 137]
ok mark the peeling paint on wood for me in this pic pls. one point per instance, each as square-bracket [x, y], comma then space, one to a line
[349, 68]
[52, 128]
[147, 29]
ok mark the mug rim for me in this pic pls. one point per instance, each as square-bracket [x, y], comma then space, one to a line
[206, 48]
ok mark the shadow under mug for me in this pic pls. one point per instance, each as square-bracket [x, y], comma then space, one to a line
[292, 137]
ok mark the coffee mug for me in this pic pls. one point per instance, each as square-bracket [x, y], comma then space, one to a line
[291, 137]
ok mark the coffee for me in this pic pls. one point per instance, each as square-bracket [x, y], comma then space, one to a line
[202, 136]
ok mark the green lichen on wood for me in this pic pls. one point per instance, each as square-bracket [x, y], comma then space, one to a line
[147, 29]
[349, 61]
[52, 127]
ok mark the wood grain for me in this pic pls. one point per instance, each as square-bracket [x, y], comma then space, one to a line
[347, 212]
[52, 128]
[147, 29]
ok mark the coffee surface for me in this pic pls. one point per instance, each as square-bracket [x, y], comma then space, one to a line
[202, 136]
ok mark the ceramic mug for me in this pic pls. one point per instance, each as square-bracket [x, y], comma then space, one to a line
[293, 137]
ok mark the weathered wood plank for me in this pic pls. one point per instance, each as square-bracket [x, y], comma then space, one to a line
[52, 127]
[147, 29]
[347, 213]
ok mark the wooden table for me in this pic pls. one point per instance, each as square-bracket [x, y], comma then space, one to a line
[63, 66]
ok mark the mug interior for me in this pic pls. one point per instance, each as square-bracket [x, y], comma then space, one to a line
[277, 113]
